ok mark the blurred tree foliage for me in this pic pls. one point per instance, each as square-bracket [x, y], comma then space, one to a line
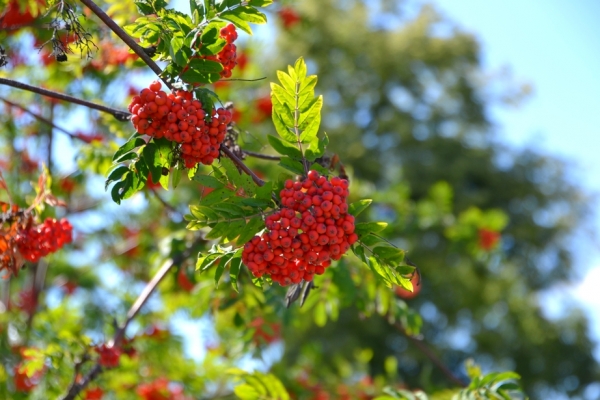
[407, 105]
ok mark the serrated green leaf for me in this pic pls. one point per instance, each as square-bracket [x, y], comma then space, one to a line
[218, 231]
[216, 196]
[205, 262]
[240, 17]
[131, 144]
[316, 147]
[234, 229]
[234, 271]
[283, 131]
[264, 192]
[300, 69]
[254, 225]
[284, 148]
[391, 254]
[221, 267]
[363, 228]
[260, 3]
[208, 181]
[292, 165]
[116, 175]
[359, 206]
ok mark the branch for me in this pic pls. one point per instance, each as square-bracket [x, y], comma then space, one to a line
[137, 49]
[77, 387]
[420, 344]
[260, 155]
[241, 165]
[40, 118]
[164, 202]
[118, 114]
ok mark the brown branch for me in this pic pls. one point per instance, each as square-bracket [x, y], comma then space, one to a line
[77, 386]
[164, 202]
[420, 344]
[39, 117]
[118, 114]
[241, 165]
[137, 49]
[261, 156]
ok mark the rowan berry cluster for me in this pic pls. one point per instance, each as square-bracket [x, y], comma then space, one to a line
[109, 356]
[312, 228]
[38, 241]
[228, 55]
[179, 118]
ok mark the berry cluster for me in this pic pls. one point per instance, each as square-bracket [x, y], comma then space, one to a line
[228, 56]
[109, 356]
[39, 241]
[312, 228]
[180, 118]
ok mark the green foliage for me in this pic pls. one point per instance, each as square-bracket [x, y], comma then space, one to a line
[257, 386]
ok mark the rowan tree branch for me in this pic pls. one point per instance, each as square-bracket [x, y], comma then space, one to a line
[78, 386]
[241, 165]
[118, 114]
[137, 49]
[420, 344]
[261, 156]
[40, 118]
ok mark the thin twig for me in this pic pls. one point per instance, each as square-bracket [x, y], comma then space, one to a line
[243, 79]
[241, 165]
[77, 386]
[260, 155]
[118, 114]
[40, 118]
[137, 49]
[164, 202]
[420, 344]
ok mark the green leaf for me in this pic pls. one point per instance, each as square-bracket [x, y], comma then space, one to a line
[369, 227]
[205, 262]
[300, 69]
[143, 7]
[205, 66]
[176, 177]
[288, 85]
[286, 133]
[359, 206]
[131, 144]
[260, 3]
[218, 231]
[252, 228]
[393, 255]
[240, 17]
[264, 192]
[153, 160]
[217, 196]
[208, 181]
[310, 121]
[284, 148]
[116, 175]
[234, 271]
[234, 229]
[212, 42]
[117, 189]
[292, 165]
[316, 147]
[221, 267]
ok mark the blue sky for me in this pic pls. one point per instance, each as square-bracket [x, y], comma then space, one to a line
[554, 45]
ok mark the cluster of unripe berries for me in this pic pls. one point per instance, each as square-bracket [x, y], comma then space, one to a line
[228, 55]
[38, 241]
[312, 228]
[179, 118]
